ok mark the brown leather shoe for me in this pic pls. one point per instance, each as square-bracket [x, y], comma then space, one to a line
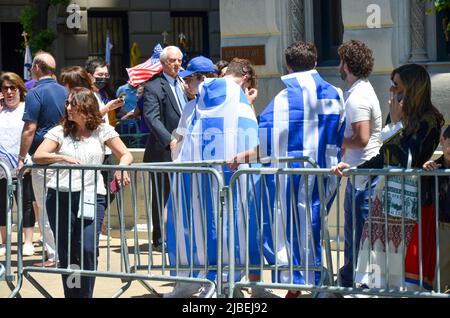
[45, 264]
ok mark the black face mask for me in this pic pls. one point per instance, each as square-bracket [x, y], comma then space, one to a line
[101, 82]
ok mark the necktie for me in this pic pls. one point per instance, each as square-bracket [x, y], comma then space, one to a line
[180, 95]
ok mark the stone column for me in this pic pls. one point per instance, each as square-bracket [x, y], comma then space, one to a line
[418, 44]
[297, 20]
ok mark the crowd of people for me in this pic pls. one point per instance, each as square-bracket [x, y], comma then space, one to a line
[71, 121]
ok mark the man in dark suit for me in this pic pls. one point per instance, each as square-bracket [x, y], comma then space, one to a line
[164, 100]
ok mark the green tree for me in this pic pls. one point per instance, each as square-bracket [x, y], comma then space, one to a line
[34, 19]
[442, 6]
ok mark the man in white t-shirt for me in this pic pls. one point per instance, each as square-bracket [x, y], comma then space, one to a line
[361, 143]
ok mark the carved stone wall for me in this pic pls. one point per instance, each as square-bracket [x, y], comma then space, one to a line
[297, 20]
[418, 41]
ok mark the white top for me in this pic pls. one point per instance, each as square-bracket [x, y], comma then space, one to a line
[362, 104]
[101, 106]
[11, 126]
[90, 151]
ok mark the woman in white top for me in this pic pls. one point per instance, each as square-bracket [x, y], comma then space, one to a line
[12, 106]
[80, 139]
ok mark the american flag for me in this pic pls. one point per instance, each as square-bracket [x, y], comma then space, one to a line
[145, 71]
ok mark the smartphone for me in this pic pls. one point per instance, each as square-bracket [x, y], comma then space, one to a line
[114, 187]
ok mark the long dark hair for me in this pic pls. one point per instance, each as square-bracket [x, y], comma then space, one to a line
[87, 105]
[417, 97]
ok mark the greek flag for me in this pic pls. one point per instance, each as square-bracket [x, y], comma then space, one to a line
[28, 61]
[307, 119]
[222, 125]
[108, 49]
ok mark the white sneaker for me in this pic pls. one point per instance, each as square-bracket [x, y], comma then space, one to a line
[2, 250]
[28, 250]
[259, 292]
[183, 290]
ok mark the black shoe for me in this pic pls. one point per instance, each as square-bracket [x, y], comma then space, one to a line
[158, 248]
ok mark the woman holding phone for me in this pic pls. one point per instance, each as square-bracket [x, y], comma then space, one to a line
[12, 106]
[415, 142]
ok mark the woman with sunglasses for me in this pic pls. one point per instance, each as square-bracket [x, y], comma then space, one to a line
[80, 139]
[12, 101]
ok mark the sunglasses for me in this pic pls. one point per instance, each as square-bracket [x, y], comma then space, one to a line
[13, 89]
[71, 103]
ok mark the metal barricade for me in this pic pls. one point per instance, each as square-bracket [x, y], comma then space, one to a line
[137, 261]
[271, 230]
[290, 259]
[5, 267]
[396, 254]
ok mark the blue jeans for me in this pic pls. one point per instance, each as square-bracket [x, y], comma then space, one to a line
[361, 215]
[85, 288]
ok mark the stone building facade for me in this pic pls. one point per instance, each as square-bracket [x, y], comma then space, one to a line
[399, 31]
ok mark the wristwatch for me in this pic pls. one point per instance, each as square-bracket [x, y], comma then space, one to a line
[22, 158]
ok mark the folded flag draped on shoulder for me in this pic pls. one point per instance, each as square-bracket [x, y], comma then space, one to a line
[145, 71]
[307, 119]
[222, 125]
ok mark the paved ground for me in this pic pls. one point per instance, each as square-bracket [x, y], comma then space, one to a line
[104, 287]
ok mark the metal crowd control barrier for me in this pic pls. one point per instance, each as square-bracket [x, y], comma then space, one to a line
[329, 283]
[384, 266]
[247, 192]
[135, 255]
[5, 267]
[279, 217]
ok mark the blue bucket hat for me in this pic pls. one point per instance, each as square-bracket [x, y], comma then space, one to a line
[198, 64]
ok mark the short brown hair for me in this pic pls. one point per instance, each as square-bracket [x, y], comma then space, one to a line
[242, 67]
[301, 56]
[43, 66]
[17, 81]
[87, 105]
[358, 57]
[75, 76]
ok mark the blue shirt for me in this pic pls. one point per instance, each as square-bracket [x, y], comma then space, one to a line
[130, 97]
[44, 106]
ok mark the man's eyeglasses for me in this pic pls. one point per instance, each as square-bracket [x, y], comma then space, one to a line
[13, 89]
[102, 75]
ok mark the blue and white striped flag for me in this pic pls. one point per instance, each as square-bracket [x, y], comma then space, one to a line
[108, 49]
[27, 62]
[222, 125]
[307, 119]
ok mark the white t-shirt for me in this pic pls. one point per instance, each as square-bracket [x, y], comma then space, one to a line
[90, 151]
[362, 104]
[11, 126]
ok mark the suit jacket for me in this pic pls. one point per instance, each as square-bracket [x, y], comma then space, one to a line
[162, 115]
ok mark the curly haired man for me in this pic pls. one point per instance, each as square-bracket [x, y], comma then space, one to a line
[361, 142]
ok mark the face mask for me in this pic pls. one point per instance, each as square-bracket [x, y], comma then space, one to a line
[101, 82]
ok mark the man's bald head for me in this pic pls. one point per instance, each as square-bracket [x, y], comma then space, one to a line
[45, 63]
